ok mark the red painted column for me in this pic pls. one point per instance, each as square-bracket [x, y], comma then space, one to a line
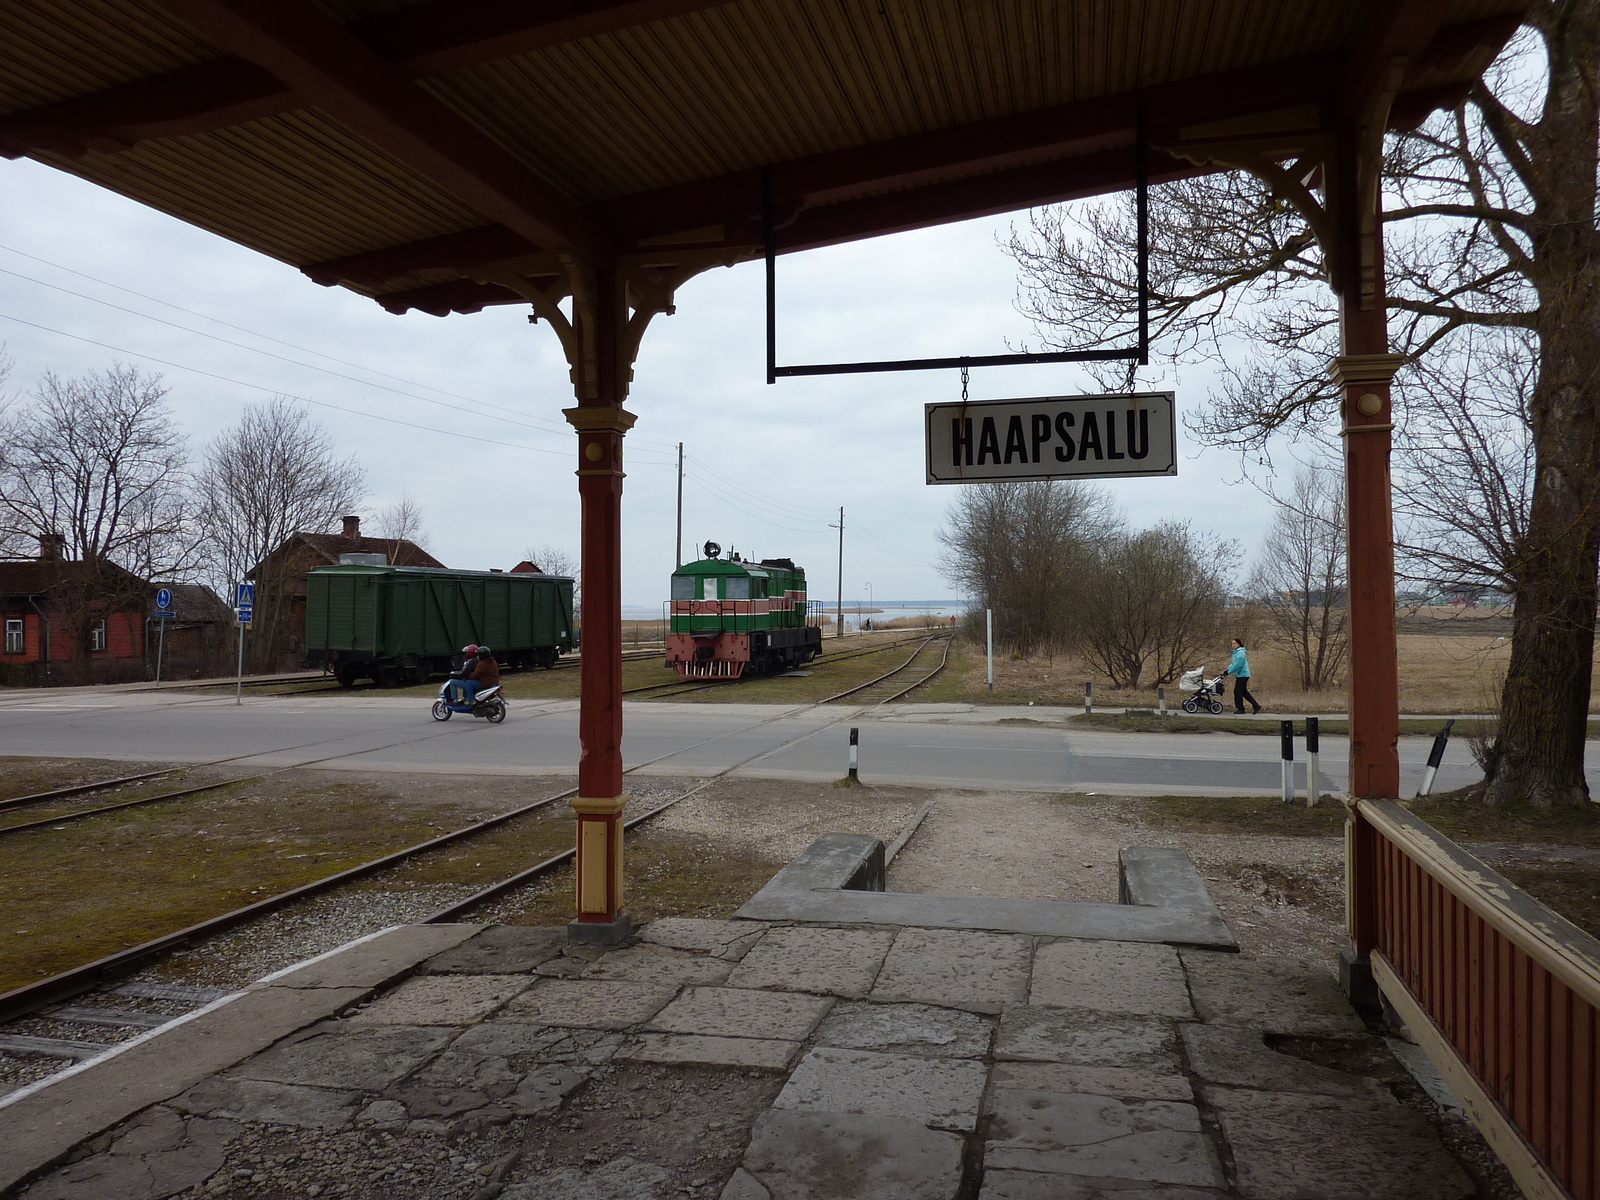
[1362, 372]
[601, 423]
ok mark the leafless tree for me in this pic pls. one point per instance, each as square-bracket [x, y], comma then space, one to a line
[1299, 580]
[1023, 550]
[401, 521]
[1153, 601]
[272, 475]
[97, 460]
[1490, 225]
[554, 559]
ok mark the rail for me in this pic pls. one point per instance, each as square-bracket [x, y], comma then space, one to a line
[1502, 993]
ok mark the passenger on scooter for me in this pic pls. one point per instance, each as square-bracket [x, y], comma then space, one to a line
[462, 687]
[486, 673]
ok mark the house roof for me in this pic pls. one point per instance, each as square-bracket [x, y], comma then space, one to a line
[194, 602]
[400, 552]
[445, 154]
[33, 577]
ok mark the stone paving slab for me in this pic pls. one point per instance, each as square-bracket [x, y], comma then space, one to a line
[660, 966]
[720, 939]
[443, 1000]
[343, 1054]
[941, 1093]
[1288, 1147]
[374, 961]
[1241, 1058]
[157, 1154]
[1087, 1039]
[1118, 1082]
[906, 1029]
[1123, 977]
[270, 1103]
[443, 1094]
[588, 1003]
[827, 1156]
[1152, 1141]
[1038, 1185]
[688, 1049]
[1277, 995]
[980, 972]
[524, 1046]
[737, 1012]
[841, 962]
[501, 950]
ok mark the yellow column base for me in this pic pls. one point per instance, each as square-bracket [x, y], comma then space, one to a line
[599, 891]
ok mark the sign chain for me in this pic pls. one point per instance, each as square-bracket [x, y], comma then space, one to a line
[964, 374]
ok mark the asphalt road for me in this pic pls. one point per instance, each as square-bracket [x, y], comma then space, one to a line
[929, 745]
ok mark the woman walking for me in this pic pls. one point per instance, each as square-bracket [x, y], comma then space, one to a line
[1239, 668]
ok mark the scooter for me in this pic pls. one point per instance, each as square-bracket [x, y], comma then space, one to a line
[489, 703]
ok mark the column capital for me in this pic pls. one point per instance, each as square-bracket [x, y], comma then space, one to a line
[1353, 370]
[593, 806]
[600, 417]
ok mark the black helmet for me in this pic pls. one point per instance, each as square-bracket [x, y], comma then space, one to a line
[485, 652]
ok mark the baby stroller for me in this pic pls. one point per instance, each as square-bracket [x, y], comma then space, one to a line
[1207, 692]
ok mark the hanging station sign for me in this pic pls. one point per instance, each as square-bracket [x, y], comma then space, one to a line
[1053, 437]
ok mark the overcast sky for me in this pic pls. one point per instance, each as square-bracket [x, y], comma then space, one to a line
[769, 467]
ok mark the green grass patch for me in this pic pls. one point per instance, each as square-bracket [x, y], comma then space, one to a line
[1255, 815]
[1466, 820]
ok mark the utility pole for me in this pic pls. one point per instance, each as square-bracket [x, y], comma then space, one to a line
[839, 611]
[678, 553]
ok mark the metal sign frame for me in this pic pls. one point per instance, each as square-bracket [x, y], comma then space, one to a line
[1138, 353]
[1067, 422]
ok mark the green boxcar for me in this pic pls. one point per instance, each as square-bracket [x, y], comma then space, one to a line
[400, 624]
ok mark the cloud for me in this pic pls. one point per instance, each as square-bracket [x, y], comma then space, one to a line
[769, 467]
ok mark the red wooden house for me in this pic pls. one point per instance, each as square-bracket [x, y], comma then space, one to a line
[69, 621]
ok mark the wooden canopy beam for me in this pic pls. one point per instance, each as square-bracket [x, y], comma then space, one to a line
[439, 36]
[330, 67]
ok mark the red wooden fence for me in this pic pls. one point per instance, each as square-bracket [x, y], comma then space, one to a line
[1502, 993]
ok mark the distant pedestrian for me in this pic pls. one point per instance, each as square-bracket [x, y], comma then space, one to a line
[1239, 668]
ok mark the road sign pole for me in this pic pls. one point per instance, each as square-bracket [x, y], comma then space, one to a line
[238, 688]
[161, 646]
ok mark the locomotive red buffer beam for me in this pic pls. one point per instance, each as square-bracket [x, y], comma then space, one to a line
[708, 655]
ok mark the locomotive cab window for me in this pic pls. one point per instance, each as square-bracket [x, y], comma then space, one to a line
[738, 587]
[683, 587]
[709, 591]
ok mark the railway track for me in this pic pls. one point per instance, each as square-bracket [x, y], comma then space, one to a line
[51, 998]
[684, 687]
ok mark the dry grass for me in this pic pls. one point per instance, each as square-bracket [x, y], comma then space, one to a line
[1439, 673]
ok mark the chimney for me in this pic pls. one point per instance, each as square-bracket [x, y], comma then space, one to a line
[352, 527]
[52, 546]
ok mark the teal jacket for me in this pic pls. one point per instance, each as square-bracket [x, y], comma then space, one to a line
[1239, 668]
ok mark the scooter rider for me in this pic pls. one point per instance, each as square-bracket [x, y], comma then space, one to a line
[486, 672]
[463, 687]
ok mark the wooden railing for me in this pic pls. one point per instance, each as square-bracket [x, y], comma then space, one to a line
[1502, 993]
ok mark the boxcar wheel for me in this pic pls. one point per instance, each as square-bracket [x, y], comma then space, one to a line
[416, 675]
[496, 713]
[388, 677]
[1190, 706]
[441, 711]
[346, 677]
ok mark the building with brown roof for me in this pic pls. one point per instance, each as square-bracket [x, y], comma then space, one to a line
[69, 621]
[279, 632]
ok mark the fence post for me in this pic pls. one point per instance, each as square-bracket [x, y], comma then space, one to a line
[1313, 776]
[1286, 739]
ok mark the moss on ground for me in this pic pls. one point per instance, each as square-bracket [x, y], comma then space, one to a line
[1460, 817]
[1260, 816]
[1570, 888]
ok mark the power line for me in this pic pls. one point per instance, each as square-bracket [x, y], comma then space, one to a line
[556, 425]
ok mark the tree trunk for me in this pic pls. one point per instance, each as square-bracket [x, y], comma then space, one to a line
[1538, 754]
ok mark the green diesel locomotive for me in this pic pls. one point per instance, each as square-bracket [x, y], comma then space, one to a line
[732, 618]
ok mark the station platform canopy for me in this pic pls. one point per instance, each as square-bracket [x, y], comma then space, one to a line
[449, 155]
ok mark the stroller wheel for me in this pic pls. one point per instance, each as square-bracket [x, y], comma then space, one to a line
[1190, 706]
[1216, 707]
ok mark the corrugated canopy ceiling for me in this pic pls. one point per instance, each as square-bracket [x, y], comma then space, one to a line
[404, 150]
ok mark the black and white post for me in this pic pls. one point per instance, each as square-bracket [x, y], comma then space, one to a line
[855, 750]
[1313, 778]
[1088, 696]
[1286, 735]
[988, 638]
[1435, 757]
[1161, 700]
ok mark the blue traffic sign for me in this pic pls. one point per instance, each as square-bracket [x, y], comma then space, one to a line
[246, 596]
[163, 600]
[165, 613]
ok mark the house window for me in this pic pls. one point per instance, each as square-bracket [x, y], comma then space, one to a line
[14, 642]
[97, 636]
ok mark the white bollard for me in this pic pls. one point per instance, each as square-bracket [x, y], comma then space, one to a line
[1286, 735]
[1313, 776]
[855, 742]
